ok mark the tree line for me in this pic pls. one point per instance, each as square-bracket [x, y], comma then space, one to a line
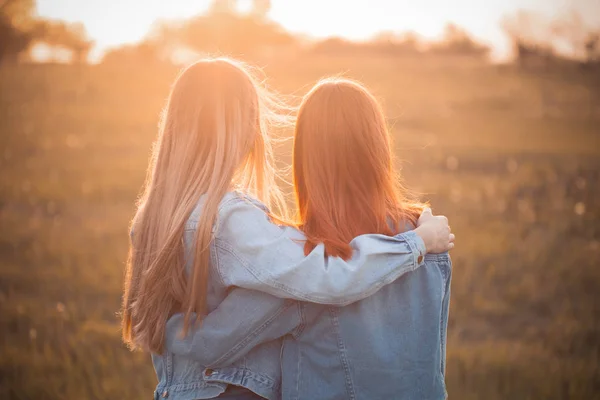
[20, 29]
[224, 30]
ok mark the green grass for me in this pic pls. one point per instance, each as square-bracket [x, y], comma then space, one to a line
[507, 156]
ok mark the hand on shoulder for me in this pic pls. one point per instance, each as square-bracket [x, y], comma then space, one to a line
[435, 232]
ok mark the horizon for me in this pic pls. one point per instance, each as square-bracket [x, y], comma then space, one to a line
[110, 24]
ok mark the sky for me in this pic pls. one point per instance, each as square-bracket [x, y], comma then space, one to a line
[114, 22]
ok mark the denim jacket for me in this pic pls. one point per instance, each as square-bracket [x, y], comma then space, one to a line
[390, 345]
[250, 252]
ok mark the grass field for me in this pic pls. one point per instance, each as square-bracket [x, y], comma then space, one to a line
[512, 158]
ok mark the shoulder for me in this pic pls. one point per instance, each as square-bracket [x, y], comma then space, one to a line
[232, 203]
[240, 200]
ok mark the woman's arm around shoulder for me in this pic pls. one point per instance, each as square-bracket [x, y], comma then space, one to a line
[254, 253]
[243, 320]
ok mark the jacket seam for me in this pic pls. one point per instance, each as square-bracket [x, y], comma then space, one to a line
[187, 386]
[443, 276]
[413, 249]
[168, 363]
[300, 328]
[342, 354]
[246, 373]
[298, 374]
[217, 264]
[443, 338]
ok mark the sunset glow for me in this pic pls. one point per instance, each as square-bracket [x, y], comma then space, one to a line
[114, 22]
[123, 121]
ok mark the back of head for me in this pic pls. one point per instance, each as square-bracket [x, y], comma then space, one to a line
[212, 110]
[212, 138]
[343, 168]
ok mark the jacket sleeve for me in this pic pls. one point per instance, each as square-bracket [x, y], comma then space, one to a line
[243, 320]
[445, 313]
[256, 254]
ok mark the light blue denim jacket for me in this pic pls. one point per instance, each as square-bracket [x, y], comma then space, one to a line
[250, 252]
[391, 345]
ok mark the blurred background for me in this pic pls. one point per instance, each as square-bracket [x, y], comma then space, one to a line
[495, 111]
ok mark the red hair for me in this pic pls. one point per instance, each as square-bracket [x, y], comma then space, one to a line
[344, 178]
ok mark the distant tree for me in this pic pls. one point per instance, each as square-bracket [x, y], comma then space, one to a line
[228, 33]
[592, 48]
[146, 52]
[333, 45]
[20, 29]
[583, 42]
[457, 41]
[61, 34]
[16, 20]
[261, 8]
[410, 39]
[19, 12]
[385, 37]
[223, 6]
[525, 26]
[219, 31]
[393, 43]
[529, 54]
[385, 43]
[13, 42]
[571, 30]
[531, 39]
[541, 42]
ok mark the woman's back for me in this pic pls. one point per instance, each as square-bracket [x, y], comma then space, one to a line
[346, 189]
[390, 345]
[249, 252]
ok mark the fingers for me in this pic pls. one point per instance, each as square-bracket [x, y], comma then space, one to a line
[427, 210]
[451, 238]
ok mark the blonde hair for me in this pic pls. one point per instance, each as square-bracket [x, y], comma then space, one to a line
[344, 177]
[212, 138]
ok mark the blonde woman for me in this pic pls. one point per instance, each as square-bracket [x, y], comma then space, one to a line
[202, 228]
